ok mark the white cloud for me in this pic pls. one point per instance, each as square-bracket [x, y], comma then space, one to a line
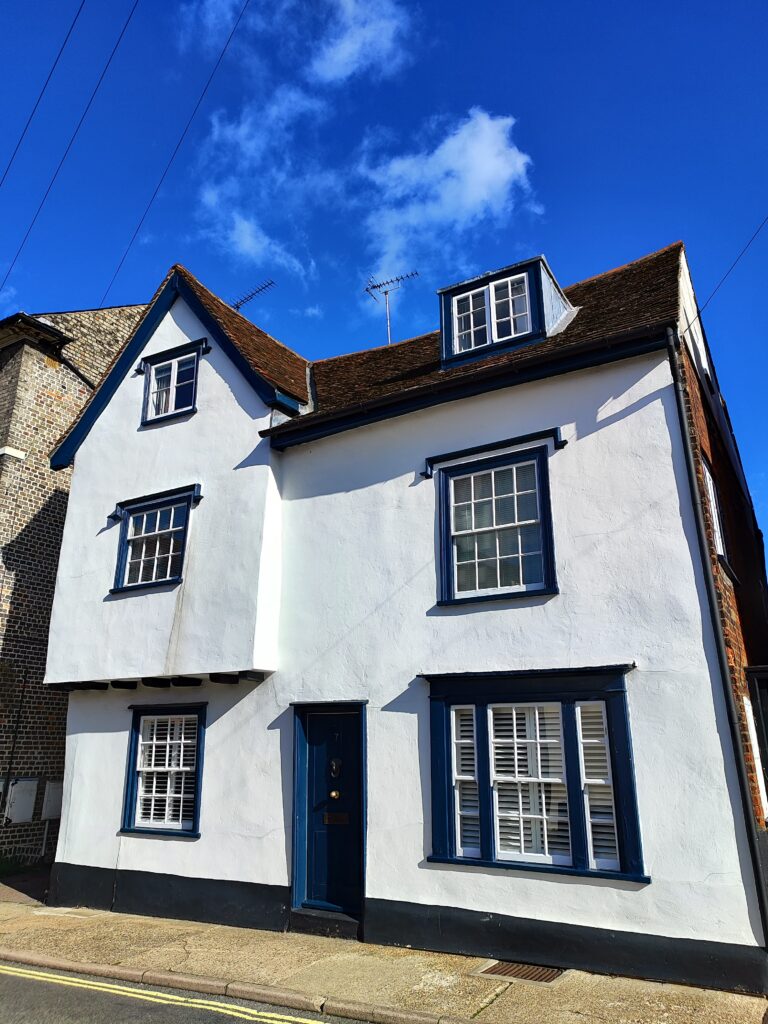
[262, 129]
[364, 36]
[430, 200]
[205, 22]
[8, 301]
[247, 239]
[310, 312]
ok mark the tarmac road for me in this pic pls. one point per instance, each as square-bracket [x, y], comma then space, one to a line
[29, 995]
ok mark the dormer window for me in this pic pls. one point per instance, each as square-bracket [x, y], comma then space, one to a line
[510, 314]
[171, 382]
[502, 309]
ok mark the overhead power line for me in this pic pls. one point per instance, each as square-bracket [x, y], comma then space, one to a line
[42, 93]
[727, 274]
[70, 143]
[176, 149]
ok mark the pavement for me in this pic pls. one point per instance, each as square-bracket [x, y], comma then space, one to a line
[341, 978]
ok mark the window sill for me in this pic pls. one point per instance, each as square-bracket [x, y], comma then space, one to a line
[450, 359]
[512, 595]
[180, 414]
[176, 833]
[150, 585]
[548, 869]
[727, 568]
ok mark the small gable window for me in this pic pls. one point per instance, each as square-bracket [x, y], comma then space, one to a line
[164, 770]
[170, 389]
[496, 528]
[498, 312]
[153, 538]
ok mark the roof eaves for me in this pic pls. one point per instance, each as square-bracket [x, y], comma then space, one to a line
[318, 425]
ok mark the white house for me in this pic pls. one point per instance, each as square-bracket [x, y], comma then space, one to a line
[428, 644]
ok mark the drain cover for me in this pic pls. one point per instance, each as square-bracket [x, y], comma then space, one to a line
[523, 972]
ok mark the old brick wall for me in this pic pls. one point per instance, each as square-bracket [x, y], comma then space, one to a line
[39, 398]
[740, 582]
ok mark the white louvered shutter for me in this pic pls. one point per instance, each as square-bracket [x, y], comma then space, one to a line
[466, 795]
[167, 771]
[529, 789]
[597, 784]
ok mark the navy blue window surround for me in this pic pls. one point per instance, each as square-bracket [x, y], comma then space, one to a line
[170, 382]
[153, 538]
[165, 770]
[482, 704]
[511, 513]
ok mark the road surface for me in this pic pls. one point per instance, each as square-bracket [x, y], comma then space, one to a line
[29, 995]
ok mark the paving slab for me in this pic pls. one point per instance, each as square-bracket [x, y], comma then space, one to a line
[580, 998]
[375, 978]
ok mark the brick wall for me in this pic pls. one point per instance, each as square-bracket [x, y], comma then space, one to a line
[739, 584]
[39, 398]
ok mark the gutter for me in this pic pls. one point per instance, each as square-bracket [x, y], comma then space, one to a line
[761, 887]
[625, 346]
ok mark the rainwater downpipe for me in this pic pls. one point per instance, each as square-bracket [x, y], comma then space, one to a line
[673, 345]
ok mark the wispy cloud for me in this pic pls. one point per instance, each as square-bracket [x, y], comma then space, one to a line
[431, 199]
[310, 312]
[363, 37]
[8, 301]
[246, 238]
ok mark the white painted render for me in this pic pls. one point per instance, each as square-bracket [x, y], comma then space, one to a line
[690, 325]
[222, 617]
[358, 620]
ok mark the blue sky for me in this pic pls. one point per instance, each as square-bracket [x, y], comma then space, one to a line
[343, 138]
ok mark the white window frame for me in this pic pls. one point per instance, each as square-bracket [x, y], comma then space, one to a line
[459, 777]
[491, 326]
[525, 857]
[183, 824]
[149, 413]
[172, 532]
[513, 589]
[599, 863]
[714, 507]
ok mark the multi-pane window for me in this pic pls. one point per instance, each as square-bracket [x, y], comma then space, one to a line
[170, 387]
[166, 767]
[496, 530]
[530, 799]
[497, 312]
[714, 508]
[534, 771]
[156, 544]
[153, 538]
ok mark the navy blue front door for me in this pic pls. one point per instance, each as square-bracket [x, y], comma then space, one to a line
[334, 854]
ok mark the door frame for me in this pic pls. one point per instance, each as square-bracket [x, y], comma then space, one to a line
[300, 787]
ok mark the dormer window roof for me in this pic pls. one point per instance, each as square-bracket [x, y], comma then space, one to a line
[501, 309]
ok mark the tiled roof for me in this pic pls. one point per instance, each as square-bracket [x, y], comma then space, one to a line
[634, 299]
[275, 362]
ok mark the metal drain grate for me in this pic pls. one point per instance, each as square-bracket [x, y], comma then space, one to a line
[523, 972]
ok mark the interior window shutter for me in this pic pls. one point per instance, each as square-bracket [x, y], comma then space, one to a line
[466, 792]
[597, 783]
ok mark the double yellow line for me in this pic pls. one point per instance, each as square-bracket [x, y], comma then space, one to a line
[153, 996]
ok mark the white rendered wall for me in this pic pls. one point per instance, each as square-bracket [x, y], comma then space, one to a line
[226, 603]
[360, 588]
[358, 620]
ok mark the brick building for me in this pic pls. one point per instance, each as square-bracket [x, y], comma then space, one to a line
[49, 365]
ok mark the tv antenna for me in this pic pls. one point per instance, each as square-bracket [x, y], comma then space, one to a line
[239, 303]
[385, 287]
